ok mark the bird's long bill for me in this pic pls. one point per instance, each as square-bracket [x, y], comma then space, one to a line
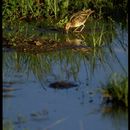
[89, 13]
[92, 11]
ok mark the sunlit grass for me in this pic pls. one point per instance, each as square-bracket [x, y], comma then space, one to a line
[97, 37]
[26, 31]
[102, 33]
[28, 9]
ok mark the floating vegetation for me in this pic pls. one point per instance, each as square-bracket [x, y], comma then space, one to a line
[7, 92]
[8, 96]
[8, 89]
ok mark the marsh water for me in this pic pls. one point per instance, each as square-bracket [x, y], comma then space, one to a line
[32, 105]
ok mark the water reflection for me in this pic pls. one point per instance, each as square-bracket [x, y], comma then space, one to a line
[87, 68]
[100, 31]
[118, 116]
[67, 64]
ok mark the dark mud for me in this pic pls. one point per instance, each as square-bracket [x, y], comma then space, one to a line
[41, 46]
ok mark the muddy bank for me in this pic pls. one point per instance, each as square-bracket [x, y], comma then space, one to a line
[40, 45]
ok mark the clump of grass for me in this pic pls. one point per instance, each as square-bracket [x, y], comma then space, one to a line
[8, 125]
[116, 91]
[62, 22]
[37, 9]
[97, 37]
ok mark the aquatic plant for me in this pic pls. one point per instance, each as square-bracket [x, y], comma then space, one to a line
[101, 33]
[8, 125]
[116, 91]
[97, 38]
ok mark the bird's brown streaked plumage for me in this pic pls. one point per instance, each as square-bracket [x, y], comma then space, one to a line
[78, 19]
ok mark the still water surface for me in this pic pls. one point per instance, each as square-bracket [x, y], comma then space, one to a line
[35, 106]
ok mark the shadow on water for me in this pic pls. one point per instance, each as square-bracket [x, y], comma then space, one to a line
[97, 56]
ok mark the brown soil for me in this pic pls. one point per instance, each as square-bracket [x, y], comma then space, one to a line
[40, 46]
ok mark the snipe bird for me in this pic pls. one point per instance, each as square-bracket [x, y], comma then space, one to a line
[78, 19]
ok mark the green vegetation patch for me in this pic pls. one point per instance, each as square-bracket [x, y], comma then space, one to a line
[116, 91]
[59, 9]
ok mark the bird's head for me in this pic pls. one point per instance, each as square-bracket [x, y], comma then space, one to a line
[89, 12]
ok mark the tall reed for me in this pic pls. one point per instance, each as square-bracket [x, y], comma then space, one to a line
[97, 37]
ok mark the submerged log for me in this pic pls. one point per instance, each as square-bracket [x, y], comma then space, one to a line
[62, 85]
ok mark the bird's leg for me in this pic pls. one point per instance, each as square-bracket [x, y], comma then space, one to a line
[76, 29]
[82, 28]
[82, 37]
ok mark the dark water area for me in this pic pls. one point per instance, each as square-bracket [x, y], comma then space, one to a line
[32, 105]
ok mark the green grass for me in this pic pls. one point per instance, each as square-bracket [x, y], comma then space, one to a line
[116, 91]
[53, 9]
[20, 33]
[102, 33]
[8, 125]
[97, 38]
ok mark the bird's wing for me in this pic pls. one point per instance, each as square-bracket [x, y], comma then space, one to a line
[80, 19]
[78, 14]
